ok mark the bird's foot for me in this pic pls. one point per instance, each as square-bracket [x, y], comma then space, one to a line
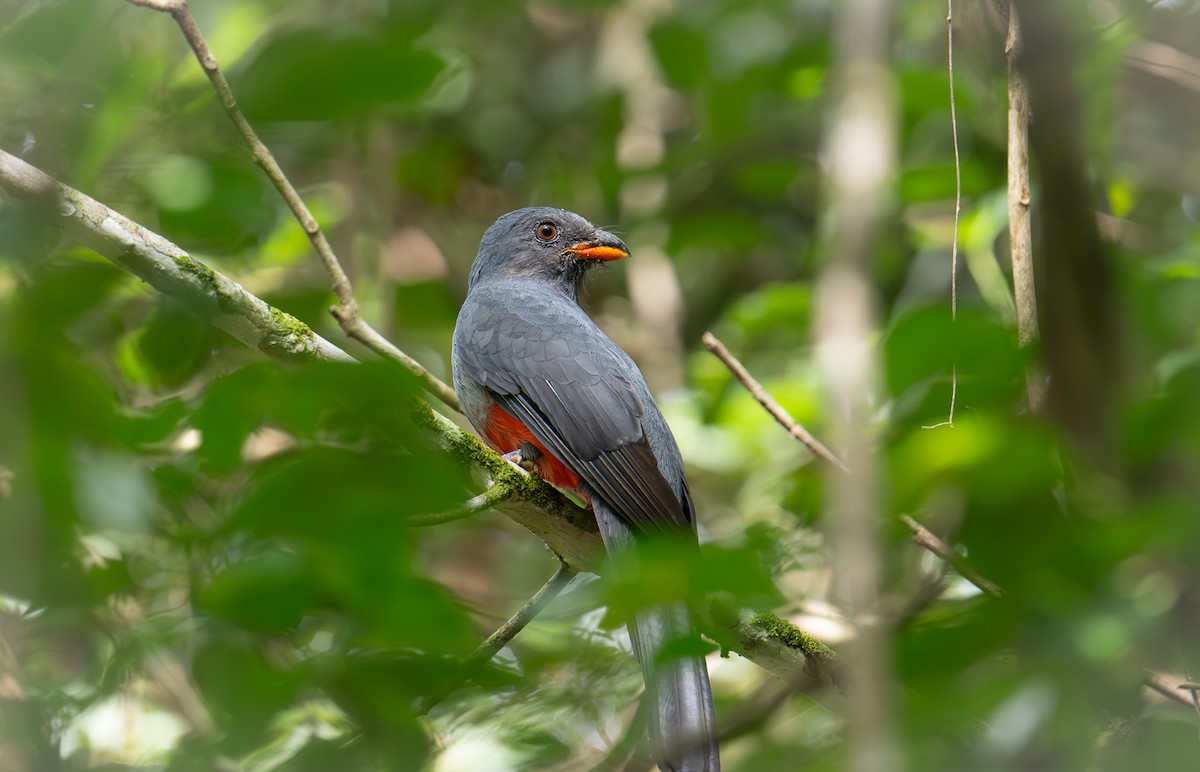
[525, 457]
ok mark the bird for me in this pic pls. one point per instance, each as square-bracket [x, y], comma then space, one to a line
[537, 378]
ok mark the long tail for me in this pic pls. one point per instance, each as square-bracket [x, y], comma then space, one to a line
[683, 725]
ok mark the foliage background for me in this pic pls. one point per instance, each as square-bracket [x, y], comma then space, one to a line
[203, 557]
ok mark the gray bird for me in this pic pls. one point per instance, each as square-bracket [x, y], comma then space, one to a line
[536, 375]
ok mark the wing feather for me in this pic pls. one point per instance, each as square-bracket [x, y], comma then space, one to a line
[574, 389]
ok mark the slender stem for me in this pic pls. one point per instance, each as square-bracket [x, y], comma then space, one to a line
[957, 207]
[506, 632]
[516, 623]
[346, 312]
[927, 539]
[777, 411]
[484, 501]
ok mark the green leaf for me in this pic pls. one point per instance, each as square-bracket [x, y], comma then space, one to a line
[243, 690]
[267, 592]
[324, 74]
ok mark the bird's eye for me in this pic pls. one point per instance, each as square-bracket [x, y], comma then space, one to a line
[547, 231]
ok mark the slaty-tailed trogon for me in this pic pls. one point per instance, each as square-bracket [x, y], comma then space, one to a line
[535, 374]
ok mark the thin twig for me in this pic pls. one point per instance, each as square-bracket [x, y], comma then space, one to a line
[957, 207]
[484, 501]
[767, 401]
[516, 623]
[927, 539]
[1193, 689]
[506, 632]
[346, 312]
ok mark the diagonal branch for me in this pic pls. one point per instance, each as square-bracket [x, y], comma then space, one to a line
[777, 411]
[484, 652]
[1153, 680]
[346, 312]
[928, 540]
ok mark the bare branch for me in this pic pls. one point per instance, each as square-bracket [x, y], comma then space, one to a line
[777, 411]
[1083, 337]
[516, 623]
[927, 539]
[507, 631]
[1020, 229]
[346, 312]
[1165, 686]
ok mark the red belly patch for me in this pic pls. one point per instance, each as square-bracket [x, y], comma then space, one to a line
[506, 434]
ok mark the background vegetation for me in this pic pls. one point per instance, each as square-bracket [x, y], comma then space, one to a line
[204, 559]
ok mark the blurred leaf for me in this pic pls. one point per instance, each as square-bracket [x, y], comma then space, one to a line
[667, 571]
[268, 592]
[233, 211]
[322, 74]
[928, 344]
[243, 690]
[47, 33]
[170, 348]
[682, 52]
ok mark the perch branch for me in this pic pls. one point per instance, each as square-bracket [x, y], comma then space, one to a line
[346, 312]
[777, 411]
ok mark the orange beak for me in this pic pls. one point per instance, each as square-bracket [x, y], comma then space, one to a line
[598, 251]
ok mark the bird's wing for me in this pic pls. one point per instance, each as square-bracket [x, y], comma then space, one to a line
[559, 375]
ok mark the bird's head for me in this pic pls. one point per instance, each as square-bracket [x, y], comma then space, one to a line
[548, 245]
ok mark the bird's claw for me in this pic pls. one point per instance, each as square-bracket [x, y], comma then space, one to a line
[525, 457]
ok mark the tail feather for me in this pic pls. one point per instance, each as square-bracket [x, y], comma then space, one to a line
[683, 727]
